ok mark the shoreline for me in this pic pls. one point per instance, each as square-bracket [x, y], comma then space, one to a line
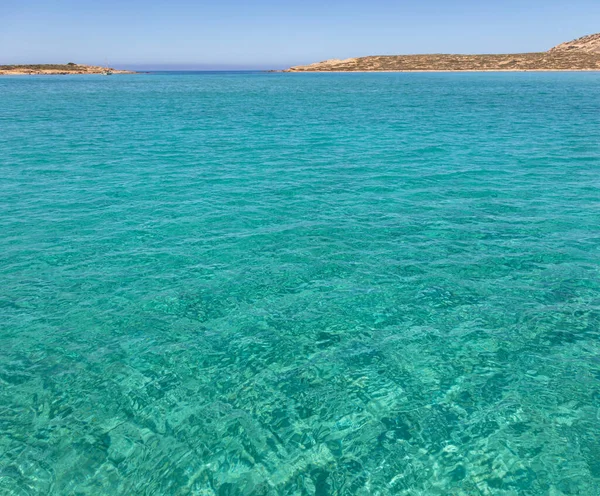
[115, 73]
[581, 55]
[19, 74]
[404, 71]
[58, 70]
[440, 70]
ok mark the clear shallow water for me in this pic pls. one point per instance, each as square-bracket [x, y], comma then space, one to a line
[271, 284]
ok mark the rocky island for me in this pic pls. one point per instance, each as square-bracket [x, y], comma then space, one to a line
[582, 54]
[56, 69]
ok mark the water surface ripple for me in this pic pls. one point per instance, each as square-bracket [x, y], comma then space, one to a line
[273, 284]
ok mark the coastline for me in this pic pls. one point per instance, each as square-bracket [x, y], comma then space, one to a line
[439, 70]
[58, 70]
[17, 74]
[20, 74]
[581, 55]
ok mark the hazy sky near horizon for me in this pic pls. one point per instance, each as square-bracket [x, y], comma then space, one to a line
[275, 34]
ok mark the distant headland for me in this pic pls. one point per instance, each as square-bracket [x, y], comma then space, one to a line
[56, 69]
[582, 54]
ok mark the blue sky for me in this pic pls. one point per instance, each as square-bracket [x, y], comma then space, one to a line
[274, 34]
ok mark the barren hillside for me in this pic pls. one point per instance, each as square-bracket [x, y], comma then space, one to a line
[53, 69]
[582, 54]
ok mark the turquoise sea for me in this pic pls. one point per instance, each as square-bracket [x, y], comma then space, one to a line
[300, 284]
